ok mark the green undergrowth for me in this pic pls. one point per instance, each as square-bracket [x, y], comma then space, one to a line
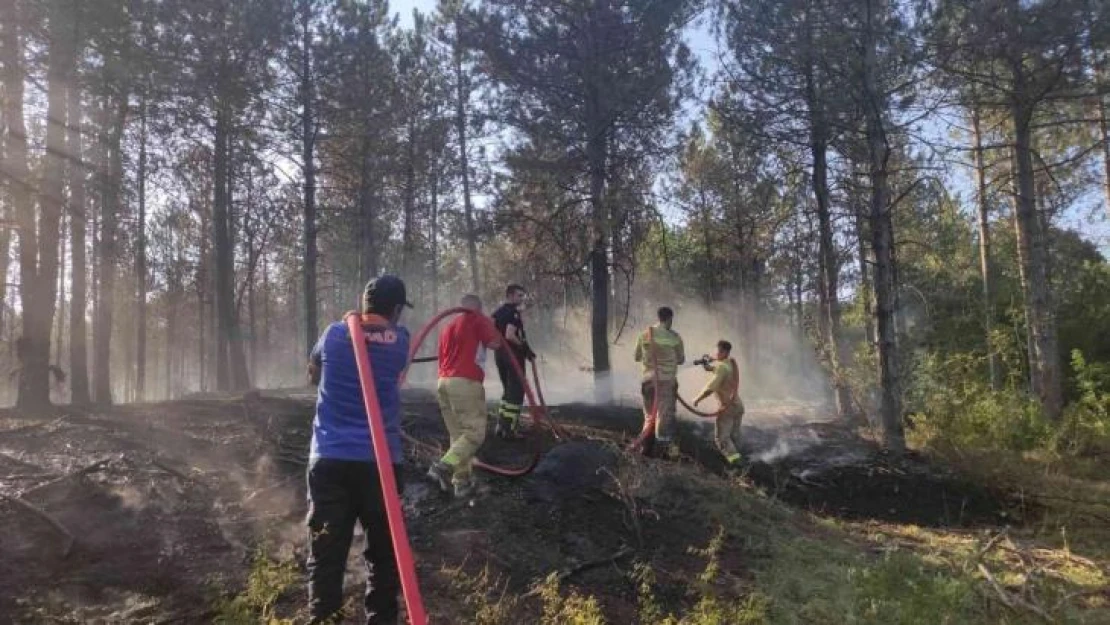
[752, 560]
[791, 568]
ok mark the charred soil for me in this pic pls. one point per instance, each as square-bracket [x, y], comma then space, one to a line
[150, 512]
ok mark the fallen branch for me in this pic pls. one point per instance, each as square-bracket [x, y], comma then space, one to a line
[32, 508]
[1011, 601]
[266, 489]
[172, 471]
[585, 566]
[34, 426]
[92, 468]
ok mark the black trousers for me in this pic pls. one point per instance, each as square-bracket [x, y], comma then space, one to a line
[341, 492]
[511, 383]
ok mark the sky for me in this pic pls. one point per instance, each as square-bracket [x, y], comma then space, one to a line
[1088, 216]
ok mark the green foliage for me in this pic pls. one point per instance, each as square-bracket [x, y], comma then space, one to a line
[902, 590]
[1086, 423]
[269, 579]
[955, 405]
[572, 609]
[484, 595]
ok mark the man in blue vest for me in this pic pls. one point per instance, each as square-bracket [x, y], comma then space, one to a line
[343, 482]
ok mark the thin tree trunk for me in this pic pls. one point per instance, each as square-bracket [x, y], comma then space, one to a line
[985, 250]
[110, 205]
[58, 343]
[882, 244]
[866, 287]
[1033, 254]
[435, 235]
[203, 290]
[1104, 135]
[78, 331]
[461, 99]
[141, 263]
[830, 308]
[707, 245]
[308, 151]
[367, 200]
[596, 155]
[408, 233]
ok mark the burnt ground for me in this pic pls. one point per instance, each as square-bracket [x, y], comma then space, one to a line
[148, 512]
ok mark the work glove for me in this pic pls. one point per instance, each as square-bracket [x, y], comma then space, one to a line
[528, 353]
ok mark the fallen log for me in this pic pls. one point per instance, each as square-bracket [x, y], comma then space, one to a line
[42, 514]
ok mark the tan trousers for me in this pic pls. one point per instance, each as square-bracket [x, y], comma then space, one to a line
[728, 430]
[665, 421]
[463, 404]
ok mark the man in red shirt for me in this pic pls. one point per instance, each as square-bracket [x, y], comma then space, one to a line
[462, 397]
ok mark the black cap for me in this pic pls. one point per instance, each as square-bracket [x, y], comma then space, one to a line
[385, 292]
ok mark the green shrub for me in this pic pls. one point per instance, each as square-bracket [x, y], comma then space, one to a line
[269, 579]
[1086, 422]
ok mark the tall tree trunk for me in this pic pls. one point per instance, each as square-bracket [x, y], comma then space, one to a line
[204, 282]
[367, 213]
[707, 250]
[830, 267]
[51, 199]
[1104, 135]
[231, 362]
[78, 297]
[173, 302]
[865, 285]
[882, 242]
[58, 342]
[408, 233]
[141, 262]
[111, 205]
[34, 390]
[462, 96]
[1033, 255]
[596, 149]
[435, 235]
[985, 249]
[308, 155]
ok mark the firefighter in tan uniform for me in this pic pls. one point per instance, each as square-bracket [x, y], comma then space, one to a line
[725, 384]
[660, 351]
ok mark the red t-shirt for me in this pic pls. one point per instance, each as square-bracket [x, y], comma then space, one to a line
[462, 347]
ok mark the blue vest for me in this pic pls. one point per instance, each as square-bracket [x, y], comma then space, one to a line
[340, 429]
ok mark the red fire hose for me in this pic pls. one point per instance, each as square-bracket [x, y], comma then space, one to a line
[538, 408]
[414, 604]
